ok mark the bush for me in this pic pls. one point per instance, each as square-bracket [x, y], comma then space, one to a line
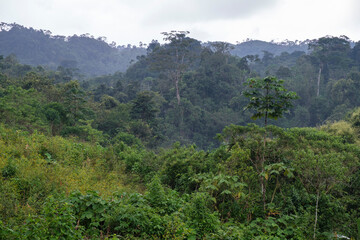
[9, 170]
[131, 216]
[90, 211]
[56, 221]
[165, 201]
[199, 217]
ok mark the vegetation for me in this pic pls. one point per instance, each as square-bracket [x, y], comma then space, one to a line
[133, 155]
[84, 53]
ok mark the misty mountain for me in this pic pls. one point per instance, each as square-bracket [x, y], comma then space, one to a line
[92, 56]
[95, 56]
[257, 47]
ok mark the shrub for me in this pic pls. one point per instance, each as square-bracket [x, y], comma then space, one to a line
[56, 221]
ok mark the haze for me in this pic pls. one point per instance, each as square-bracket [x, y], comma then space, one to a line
[132, 21]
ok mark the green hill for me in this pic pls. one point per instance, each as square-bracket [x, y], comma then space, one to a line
[92, 56]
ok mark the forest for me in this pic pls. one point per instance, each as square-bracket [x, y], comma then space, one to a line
[190, 142]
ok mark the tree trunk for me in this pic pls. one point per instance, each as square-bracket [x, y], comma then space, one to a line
[177, 90]
[318, 82]
[316, 211]
[263, 188]
[181, 112]
[263, 191]
[276, 187]
[178, 75]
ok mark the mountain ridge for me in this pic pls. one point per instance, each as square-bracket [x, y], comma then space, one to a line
[95, 56]
[92, 56]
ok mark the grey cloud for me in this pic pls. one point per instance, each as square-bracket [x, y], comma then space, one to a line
[355, 13]
[179, 11]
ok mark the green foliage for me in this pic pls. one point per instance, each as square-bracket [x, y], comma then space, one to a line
[284, 227]
[199, 217]
[261, 183]
[343, 129]
[144, 107]
[5, 233]
[56, 221]
[93, 56]
[9, 200]
[90, 211]
[132, 217]
[9, 170]
[140, 162]
[127, 139]
[224, 203]
[156, 195]
[181, 164]
[226, 192]
[268, 98]
[228, 230]
[165, 202]
[21, 108]
[176, 228]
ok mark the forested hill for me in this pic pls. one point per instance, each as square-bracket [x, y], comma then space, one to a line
[257, 47]
[92, 56]
[162, 100]
[133, 155]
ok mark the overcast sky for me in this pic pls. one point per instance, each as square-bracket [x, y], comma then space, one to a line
[132, 21]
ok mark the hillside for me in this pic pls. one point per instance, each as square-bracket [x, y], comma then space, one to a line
[92, 56]
[169, 149]
[257, 47]
[192, 101]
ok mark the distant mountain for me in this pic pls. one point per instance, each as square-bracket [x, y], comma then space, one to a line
[257, 47]
[92, 56]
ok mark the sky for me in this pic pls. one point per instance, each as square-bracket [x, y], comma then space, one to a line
[132, 21]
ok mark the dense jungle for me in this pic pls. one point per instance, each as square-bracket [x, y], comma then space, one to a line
[178, 140]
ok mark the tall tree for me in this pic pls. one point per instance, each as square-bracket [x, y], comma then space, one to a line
[174, 58]
[269, 99]
[330, 52]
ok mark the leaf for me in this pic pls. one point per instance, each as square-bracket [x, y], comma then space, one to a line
[192, 237]
[225, 192]
[288, 173]
[212, 187]
[87, 215]
[266, 176]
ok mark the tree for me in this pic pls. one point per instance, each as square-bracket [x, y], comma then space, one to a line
[355, 53]
[75, 100]
[222, 48]
[329, 53]
[324, 163]
[169, 63]
[174, 58]
[176, 38]
[144, 107]
[269, 99]
[56, 115]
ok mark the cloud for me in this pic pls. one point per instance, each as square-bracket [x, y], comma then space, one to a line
[355, 12]
[177, 11]
[131, 21]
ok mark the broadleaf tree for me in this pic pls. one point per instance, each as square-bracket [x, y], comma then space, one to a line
[269, 99]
